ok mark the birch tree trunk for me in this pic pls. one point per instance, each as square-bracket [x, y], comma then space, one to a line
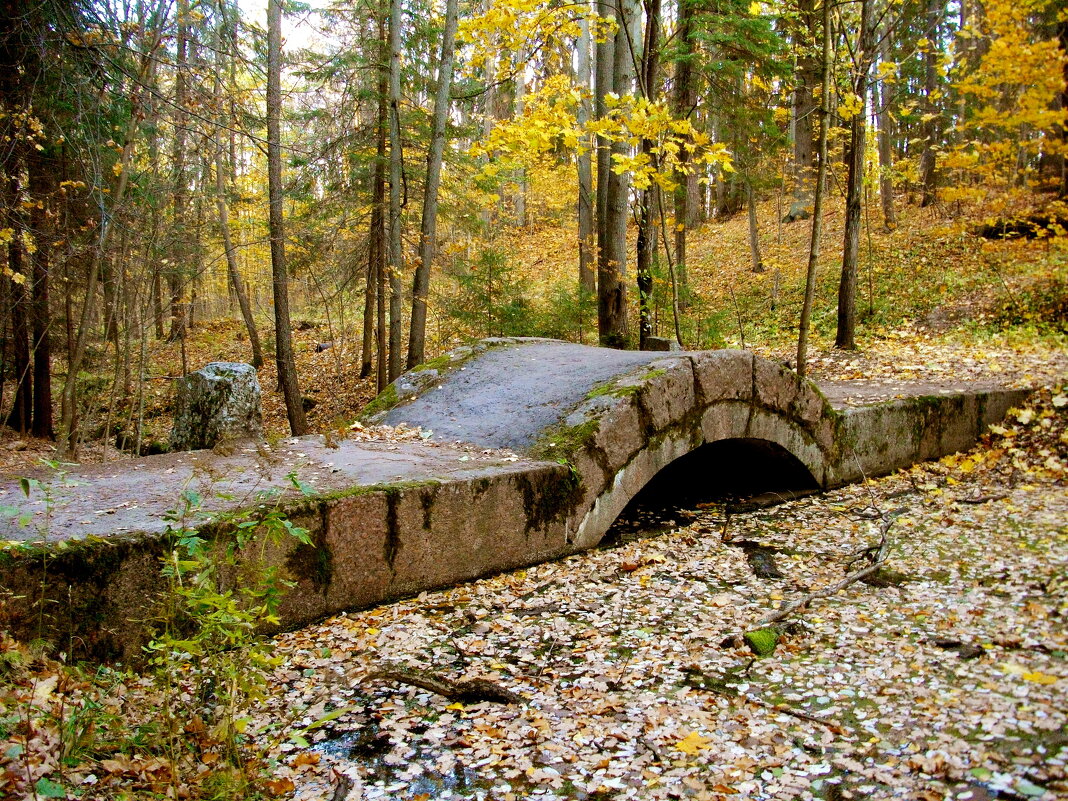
[586, 199]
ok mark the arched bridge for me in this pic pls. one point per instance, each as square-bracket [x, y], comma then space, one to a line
[530, 450]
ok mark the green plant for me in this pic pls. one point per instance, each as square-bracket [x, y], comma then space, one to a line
[209, 658]
[489, 298]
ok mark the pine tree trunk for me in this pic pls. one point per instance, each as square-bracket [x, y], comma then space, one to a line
[396, 176]
[847, 287]
[754, 232]
[817, 195]
[683, 102]
[428, 230]
[611, 286]
[41, 186]
[283, 332]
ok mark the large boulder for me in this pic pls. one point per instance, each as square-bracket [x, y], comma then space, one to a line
[216, 404]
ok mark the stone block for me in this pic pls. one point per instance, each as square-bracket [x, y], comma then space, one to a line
[620, 434]
[667, 391]
[218, 403]
[662, 343]
[723, 375]
[776, 385]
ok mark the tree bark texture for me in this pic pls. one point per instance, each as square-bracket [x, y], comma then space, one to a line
[847, 287]
[646, 247]
[283, 332]
[928, 158]
[428, 231]
[683, 101]
[396, 176]
[611, 286]
[817, 196]
[586, 200]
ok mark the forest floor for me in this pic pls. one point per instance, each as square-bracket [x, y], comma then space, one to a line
[940, 679]
[942, 682]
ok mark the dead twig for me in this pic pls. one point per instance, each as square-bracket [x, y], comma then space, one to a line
[471, 691]
[876, 560]
[794, 713]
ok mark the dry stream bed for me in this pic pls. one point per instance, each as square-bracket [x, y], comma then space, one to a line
[945, 678]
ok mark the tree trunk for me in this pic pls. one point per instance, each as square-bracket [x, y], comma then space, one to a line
[586, 200]
[283, 333]
[223, 211]
[847, 287]
[646, 215]
[603, 85]
[179, 251]
[18, 271]
[930, 86]
[396, 176]
[520, 105]
[817, 196]
[371, 287]
[428, 231]
[886, 149]
[754, 231]
[611, 286]
[683, 101]
[804, 107]
[41, 188]
[1062, 38]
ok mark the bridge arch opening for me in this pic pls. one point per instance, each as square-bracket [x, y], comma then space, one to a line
[738, 471]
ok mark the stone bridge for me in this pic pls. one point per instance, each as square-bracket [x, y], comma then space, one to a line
[530, 450]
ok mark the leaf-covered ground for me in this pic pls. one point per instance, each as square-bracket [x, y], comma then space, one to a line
[947, 680]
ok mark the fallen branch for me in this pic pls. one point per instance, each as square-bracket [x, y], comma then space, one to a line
[876, 555]
[794, 713]
[472, 691]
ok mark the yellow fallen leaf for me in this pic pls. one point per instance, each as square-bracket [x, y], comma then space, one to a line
[457, 706]
[371, 632]
[1040, 678]
[692, 743]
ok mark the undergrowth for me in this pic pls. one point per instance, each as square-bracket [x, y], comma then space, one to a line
[178, 728]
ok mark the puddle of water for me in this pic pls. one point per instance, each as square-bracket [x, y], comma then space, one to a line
[411, 778]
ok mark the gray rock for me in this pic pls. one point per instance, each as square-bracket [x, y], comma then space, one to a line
[662, 343]
[218, 403]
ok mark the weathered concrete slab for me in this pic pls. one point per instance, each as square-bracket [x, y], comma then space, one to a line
[387, 520]
[592, 428]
